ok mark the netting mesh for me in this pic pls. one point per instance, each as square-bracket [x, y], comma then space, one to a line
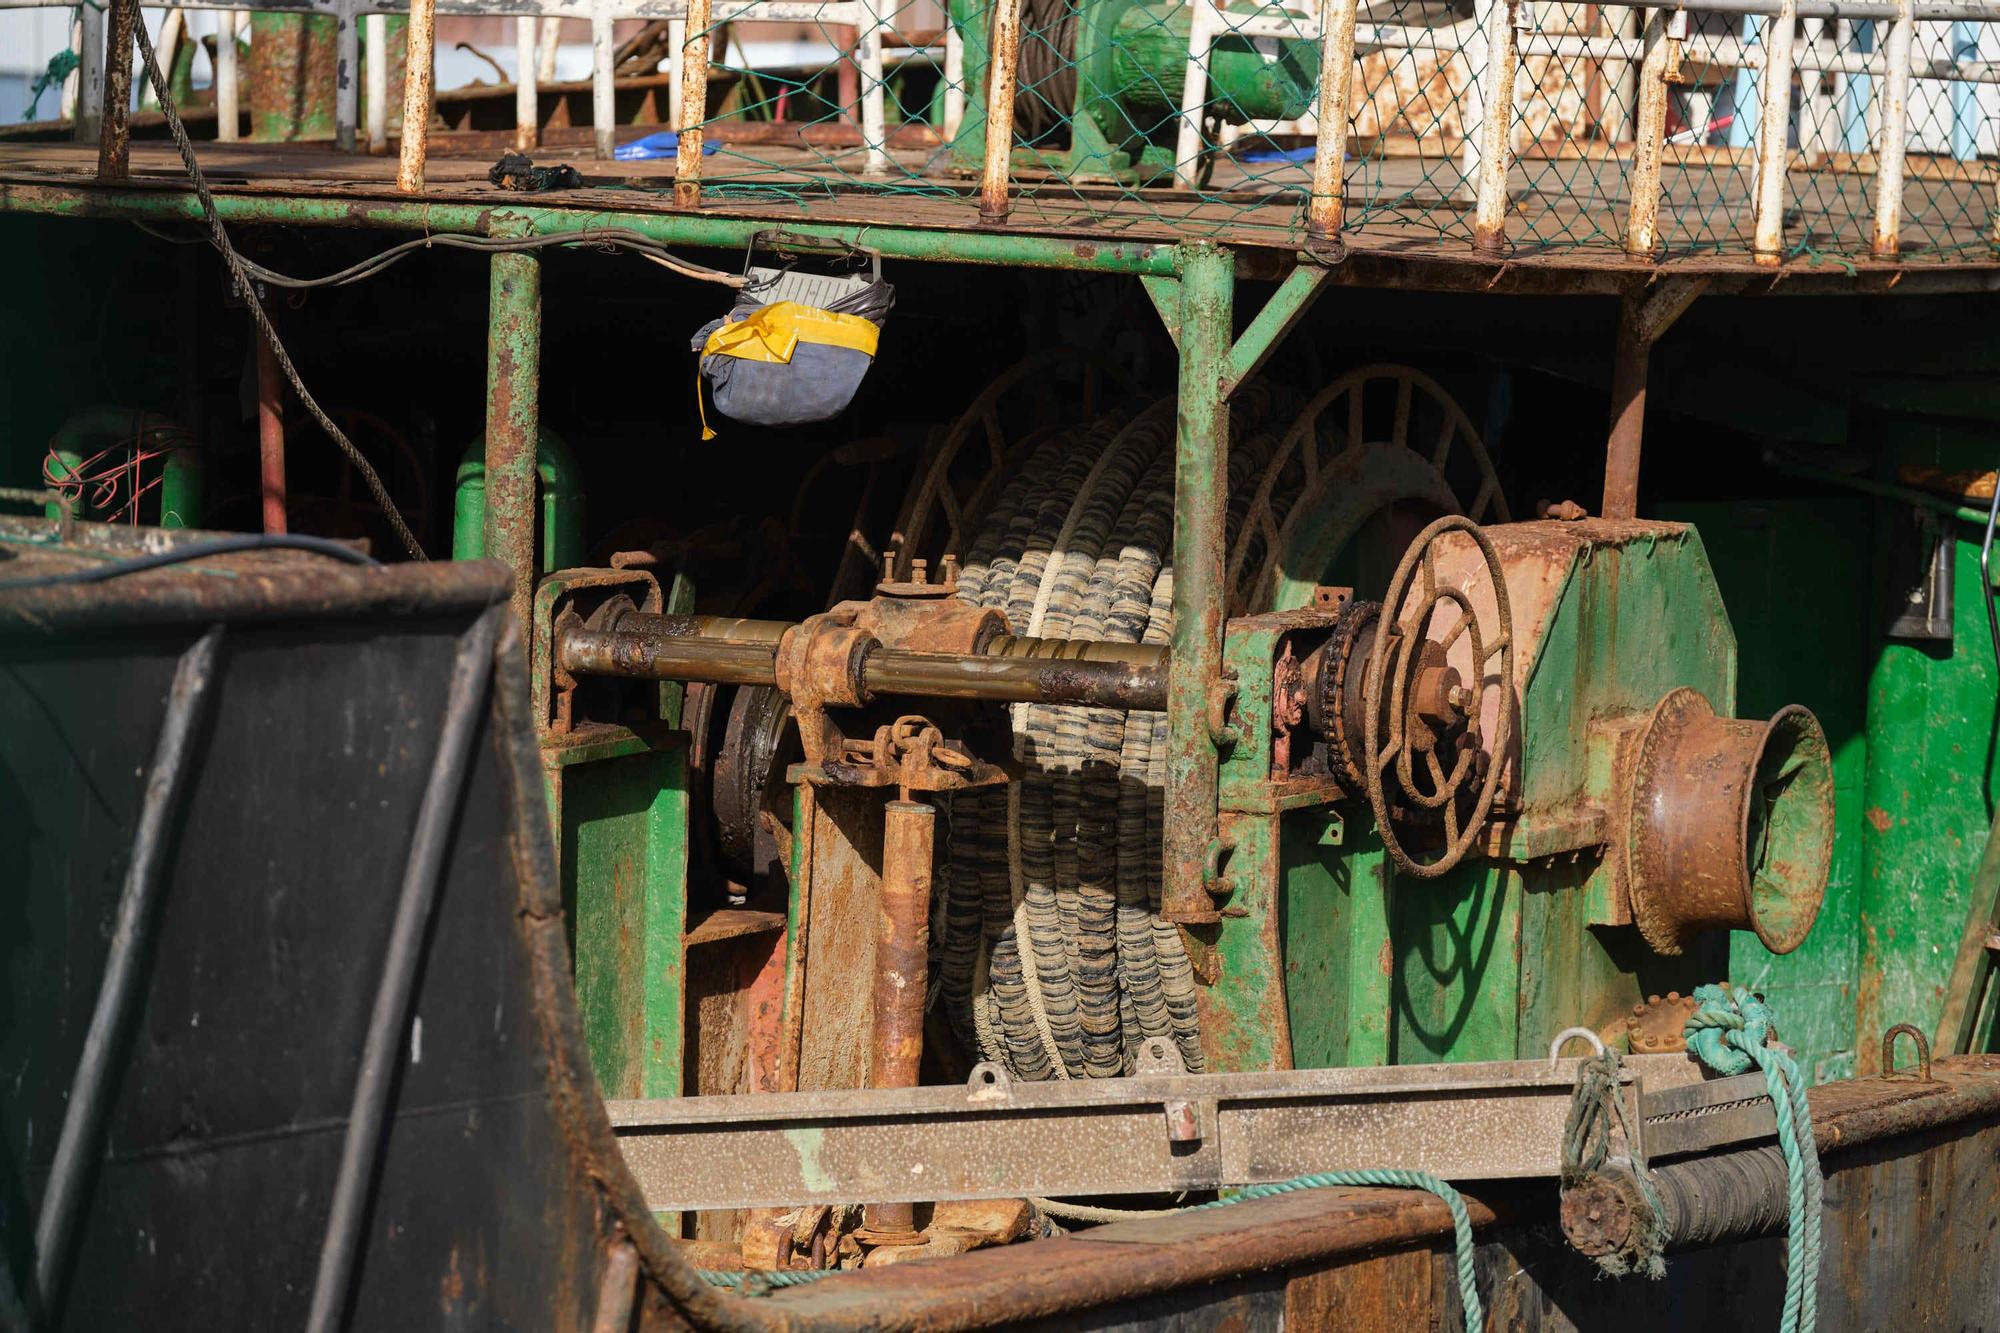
[1161, 118]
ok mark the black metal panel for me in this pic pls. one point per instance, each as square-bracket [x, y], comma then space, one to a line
[234, 1087]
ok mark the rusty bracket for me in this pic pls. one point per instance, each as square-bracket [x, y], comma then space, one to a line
[574, 596]
[1157, 1132]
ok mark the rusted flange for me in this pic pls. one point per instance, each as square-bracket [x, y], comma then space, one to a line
[1729, 824]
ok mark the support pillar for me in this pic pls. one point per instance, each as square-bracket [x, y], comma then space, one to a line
[114, 144]
[902, 945]
[1194, 679]
[513, 418]
[1628, 414]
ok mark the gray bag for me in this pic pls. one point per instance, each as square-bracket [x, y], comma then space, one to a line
[821, 379]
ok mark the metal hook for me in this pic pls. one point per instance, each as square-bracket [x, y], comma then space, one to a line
[1565, 1036]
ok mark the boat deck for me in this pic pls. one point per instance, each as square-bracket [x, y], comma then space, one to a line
[1407, 222]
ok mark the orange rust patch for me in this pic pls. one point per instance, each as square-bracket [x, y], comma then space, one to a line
[1879, 817]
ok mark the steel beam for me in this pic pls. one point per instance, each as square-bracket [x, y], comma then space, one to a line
[513, 420]
[1194, 670]
[1153, 1133]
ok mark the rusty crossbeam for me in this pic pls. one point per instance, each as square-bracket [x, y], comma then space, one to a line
[1156, 1132]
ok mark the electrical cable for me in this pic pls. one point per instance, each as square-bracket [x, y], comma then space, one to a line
[615, 238]
[239, 270]
[255, 541]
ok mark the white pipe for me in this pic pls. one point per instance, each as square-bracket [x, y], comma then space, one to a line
[375, 37]
[954, 80]
[527, 115]
[603, 85]
[1774, 154]
[874, 108]
[1889, 151]
[166, 49]
[346, 75]
[1496, 130]
[548, 42]
[228, 109]
[89, 113]
[1202, 24]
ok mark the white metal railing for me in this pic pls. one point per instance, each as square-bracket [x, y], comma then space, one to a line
[1495, 42]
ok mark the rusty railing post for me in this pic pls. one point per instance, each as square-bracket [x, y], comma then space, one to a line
[1002, 66]
[419, 92]
[527, 114]
[375, 37]
[1194, 667]
[1326, 213]
[270, 433]
[1496, 131]
[604, 82]
[346, 73]
[1774, 123]
[114, 142]
[694, 106]
[902, 944]
[513, 418]
[1890, 151]
[228, 106]
[1664, 31]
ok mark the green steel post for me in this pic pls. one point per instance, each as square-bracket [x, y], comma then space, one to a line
[180, 489]
[67, 461]
[1201, 467]
[1287, 306]
[513, 391]
[561, 504]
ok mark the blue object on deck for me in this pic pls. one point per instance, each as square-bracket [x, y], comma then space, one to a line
[654, 146]
[1304, 154]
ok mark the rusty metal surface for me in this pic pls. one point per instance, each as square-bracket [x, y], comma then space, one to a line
[1104, 1136]
[902, 945]
[114, 144]
[1699, 851]
[1702, 1116]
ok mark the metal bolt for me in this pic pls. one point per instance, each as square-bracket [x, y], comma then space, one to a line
[920, 571]
[1182, 1127]
[948, 568]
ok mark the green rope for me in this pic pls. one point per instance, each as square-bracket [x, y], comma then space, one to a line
[763, 1282]
[1587, 1144]
[1727, 1032]
[1461, 1223]
[61, 65]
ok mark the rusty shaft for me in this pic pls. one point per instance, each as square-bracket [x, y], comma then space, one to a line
[1013, 670]
[902, 944]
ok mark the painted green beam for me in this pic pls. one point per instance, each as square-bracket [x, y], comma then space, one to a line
[695, 230]
[1280, 315]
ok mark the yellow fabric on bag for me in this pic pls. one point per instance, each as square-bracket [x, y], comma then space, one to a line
[774, 332]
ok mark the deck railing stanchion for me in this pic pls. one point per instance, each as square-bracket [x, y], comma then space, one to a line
[419, 91]
[677, 35]
[228, 109]
[1001, 70]
[89, 110]
[954, 81]
[1204, 24]
[375, 37]
[1889, 149]
[346, 76]
[1664, 30]
[527, 115]
[1496, 130]
[114, 144]
[1472, 101]
[603, 82]
[548, 42]
[874, 109]
[1326, 213]
[1774, 149]
[694, 106]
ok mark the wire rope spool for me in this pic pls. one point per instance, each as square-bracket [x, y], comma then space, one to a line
[1050, 958]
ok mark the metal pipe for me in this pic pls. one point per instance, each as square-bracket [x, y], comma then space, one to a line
[1890, 152]
[513, 419]
[874, 97]
[1148, 656]
[346, 69]
[1628, 414]
[1002, 68]
[228, 107]
[1194, 672]
[694, 106]
[666, 648]
[419, 94]
[388, 1022]
[1937, 504]
[1642, 223]
[375, 35]
[114, 141]
[1774, 125]
[603, 83]
[270, 433]
[527, 116]
[1326, 212]
[548, 44]
[902, 946]
[80, 1141]
[1503, 60]
[90, 51]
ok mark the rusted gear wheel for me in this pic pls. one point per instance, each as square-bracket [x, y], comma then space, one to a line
[1425, 704]
[1334, 709]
